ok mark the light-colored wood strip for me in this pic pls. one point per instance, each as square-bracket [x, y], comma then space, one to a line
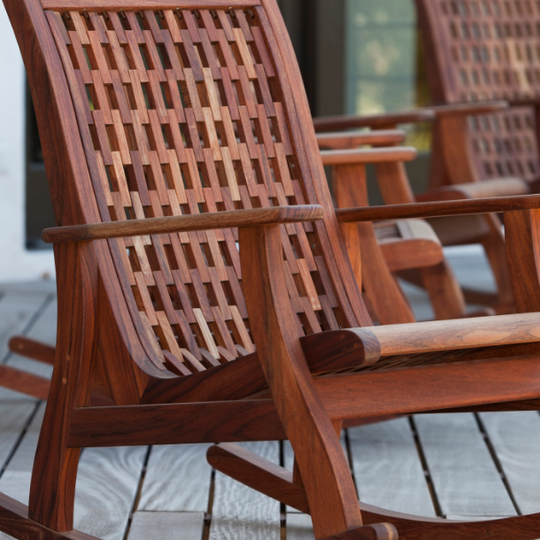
[212, 94]
[515, 437]
[120, 178]
[207, 334]
[120, 132]
[80, 27]
[245, 53]
[308, 284]
[119, 55]
[97, 51]
[166, 526]
[454, 447]
[241, 329]
[387, 468]
[211, 132]
[229, 132]
[240, 512]
[172, 25]
[187, 475]
[230, 173]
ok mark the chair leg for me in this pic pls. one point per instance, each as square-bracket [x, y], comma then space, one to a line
[444, 292]
[52, 489]
[495, 248]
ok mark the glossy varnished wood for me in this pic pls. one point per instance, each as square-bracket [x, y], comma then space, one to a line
[178, 224]
[438, 209]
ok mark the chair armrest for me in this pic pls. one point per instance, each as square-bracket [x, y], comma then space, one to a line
[367, 155]
[353, 139]
[176, 224]
[467, 109]
[378, 121]
[434, 336]
[497, 187]
[438, 209]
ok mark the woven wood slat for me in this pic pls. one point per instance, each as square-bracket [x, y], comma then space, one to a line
[185, 118]
[488, 49]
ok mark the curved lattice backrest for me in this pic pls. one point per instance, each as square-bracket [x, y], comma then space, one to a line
[182, 111]
[482, 50]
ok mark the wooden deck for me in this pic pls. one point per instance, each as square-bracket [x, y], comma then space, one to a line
[455, 465]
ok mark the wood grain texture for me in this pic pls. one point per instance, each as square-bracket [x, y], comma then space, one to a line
[257, 517]
[515, 437]
[187, 485]
[228, 422]
[420, 389]
[107, 484]
[178, 224]
[457, 334]
[453, 446]
[166, 525]
[387, 468]
[435, 209]
[258, 473]
[133, 5]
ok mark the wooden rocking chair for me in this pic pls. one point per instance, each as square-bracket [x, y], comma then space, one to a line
[202, 276]
[475, 51]
[405, 246]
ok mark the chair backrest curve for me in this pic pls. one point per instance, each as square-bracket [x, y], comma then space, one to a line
[197, 106]
[483, 50]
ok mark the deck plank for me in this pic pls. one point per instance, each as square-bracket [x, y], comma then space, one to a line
[454, 448]
[177, 479]
[166, 526]
[107, 483]
[17, 309]
[240, 512]
[515, 437]
[43, 329]
[387, 468]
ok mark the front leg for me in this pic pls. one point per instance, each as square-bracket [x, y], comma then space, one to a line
[52, 491]
[329, 487]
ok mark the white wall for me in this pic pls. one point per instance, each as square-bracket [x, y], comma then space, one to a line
[16, 262]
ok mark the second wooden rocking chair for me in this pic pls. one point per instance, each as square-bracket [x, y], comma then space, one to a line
[203, 279]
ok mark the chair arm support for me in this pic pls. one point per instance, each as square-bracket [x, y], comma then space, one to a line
[438, 209]
[467, 109]
[353, 139]
[186, 223]
[377, 121]
[360, 156]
